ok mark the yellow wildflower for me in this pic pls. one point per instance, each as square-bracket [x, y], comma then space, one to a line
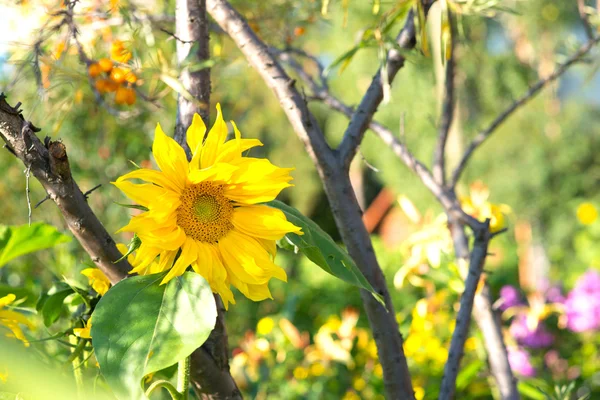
[300, 372]
[97, 280]
[86, 331]
[359, 384]
[11, 320]
[351, 395]
[478, 206]
[207, 211]
[317, 369]
[119, 52]
[587, 213]
[419, 392]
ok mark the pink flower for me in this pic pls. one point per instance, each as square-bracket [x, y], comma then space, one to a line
[520, 362]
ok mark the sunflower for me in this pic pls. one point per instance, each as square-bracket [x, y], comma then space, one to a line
[206, 213]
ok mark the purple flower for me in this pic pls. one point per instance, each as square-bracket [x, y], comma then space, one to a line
[520, 362]
[509, 297]
[554, 294]
[582, 305]
[537, 338]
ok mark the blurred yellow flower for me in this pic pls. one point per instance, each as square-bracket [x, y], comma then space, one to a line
[119, 52]
[11, 320]
[207, 213]
[587, 213]
[300, 373]
[419, 392]
[86, 331]
[4, 375]
[97, 280]
[359, 384]
[265, 326]
[478, 206]
[423, 248]
[351, 395]
[378, 371]
[317, 369]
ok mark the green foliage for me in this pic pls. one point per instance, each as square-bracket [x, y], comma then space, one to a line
[50, 305]
[16, 241]
[318, 246]
[141, 326]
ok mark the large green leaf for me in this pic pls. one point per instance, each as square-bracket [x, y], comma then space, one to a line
[16, 241]
[140, 326]
[320, 248]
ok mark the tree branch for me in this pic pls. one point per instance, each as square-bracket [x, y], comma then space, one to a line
[50, 165]
[439, 155]
[539, 85]
[336, 182]
[589, 29]
[483, 312]
[374, 95]
[463, 319]
[488, 322]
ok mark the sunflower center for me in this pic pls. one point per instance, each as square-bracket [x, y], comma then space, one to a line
[205, 213]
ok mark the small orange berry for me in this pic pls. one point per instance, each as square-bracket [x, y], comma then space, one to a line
[131, 96]
[105, 64]
[118, 75]
[299, 31]
[101, 86]
[121, 95]
[94, 70]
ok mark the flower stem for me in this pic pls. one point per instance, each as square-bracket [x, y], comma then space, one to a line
[183, 377]
[175, 395]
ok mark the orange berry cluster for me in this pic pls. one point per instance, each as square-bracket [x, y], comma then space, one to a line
[110, 78]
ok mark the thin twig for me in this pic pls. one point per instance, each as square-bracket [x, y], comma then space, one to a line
[585, 19]
[463, 319]
[86, 194]
[39, 203]
[439, 154]
[27, 172]
[539, 85]
[374, 94]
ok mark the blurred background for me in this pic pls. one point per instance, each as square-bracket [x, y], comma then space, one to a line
[541, 169]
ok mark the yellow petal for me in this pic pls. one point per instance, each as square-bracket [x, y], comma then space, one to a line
[142, 194]
[195, 133]
[189, 254]
[170, 158]
[97, 280]
[6, 300]
[215, 139]
[165, 239]
[248, 260]
[152, 176]
[217, 172]
[263, 222]
[259, 292]
[144, 256]
[232, 150]
[257, 181]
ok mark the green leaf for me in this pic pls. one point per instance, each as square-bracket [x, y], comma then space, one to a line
[320, 248]
[140, 326]
[51, 306]
[530, 391]
[16, 241]
[468, 373]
